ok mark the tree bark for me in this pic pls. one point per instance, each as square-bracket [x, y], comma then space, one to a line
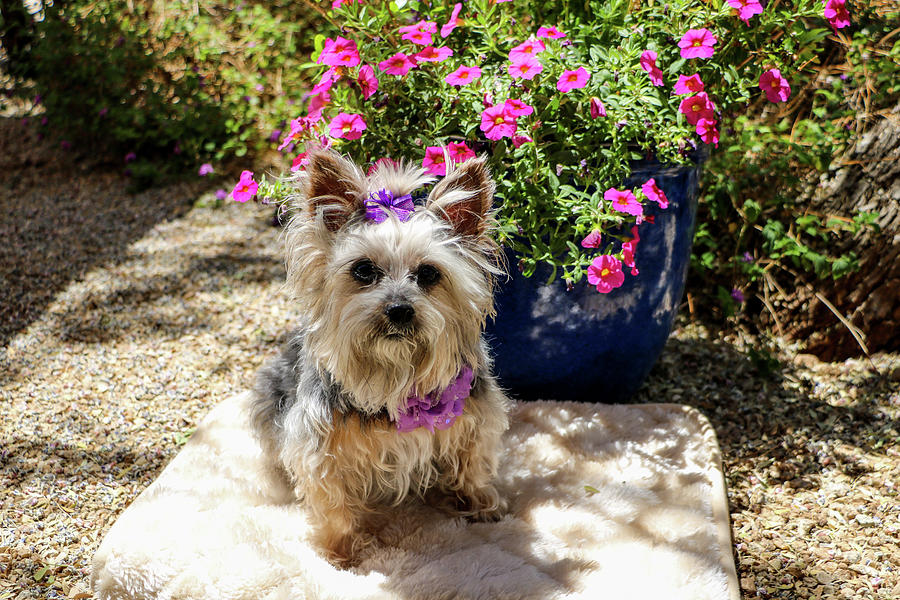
[866, 178]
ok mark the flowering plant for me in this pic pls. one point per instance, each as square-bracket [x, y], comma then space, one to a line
[561, 97]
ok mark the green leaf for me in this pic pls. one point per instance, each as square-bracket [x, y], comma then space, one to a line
[40, 573]
[752, 210]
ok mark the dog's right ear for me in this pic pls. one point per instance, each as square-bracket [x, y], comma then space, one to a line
[335, 188]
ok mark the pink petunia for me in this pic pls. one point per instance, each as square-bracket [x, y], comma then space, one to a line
[837, 14]
[689, 84]
[525, 68]
[339, 52]
[706, 129]
[653, 192]
[246, 188]
[417, 37]
[528, 48]
[423, 26]
[496, 123]
[605, 272]
[571, 80]
[517, 108]
[434, 162]
[597, 108]
[746, 9]
[775, 86]
[648, 63]
[368, 83]
[347, 126]
[300, 161]
[432, 54]
[459, 152]
[697, 107]
[205, 169]
[463, 75]
[316, 104]
[623, 201]
[628, 250]
[298, 128]
[326, 82]
[453, 22]
[697, 43]
[551, 33]
[592, 240]
[518, 140]
[398, 64]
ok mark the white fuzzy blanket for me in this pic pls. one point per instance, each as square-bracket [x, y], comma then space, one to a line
[219, 524]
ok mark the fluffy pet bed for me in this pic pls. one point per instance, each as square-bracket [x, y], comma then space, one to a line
[220, 523]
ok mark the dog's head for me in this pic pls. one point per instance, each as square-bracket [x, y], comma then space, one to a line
[395, 295]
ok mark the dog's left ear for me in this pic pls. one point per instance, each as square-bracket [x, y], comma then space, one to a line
[335, 188]
[464, 198]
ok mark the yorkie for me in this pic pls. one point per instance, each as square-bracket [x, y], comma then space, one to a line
[385, 389]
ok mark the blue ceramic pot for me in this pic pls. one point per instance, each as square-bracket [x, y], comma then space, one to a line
[581, 344]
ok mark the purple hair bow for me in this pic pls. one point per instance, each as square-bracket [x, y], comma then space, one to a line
[382, 201]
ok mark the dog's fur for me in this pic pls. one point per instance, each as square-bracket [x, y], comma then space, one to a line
[327, 406]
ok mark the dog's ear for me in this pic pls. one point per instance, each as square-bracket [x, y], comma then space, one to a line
[335, 188]
[464, 197]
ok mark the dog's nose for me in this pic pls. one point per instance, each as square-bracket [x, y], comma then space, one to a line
[400, 313]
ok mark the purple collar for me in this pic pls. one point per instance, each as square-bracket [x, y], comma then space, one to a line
[437, 410]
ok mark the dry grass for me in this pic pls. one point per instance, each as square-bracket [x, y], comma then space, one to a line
[126, 317]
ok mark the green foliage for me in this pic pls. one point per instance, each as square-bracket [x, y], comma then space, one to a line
[551, 187]
[178, 81]
[754, 231]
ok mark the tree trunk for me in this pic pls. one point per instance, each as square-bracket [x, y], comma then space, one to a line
[867, 178]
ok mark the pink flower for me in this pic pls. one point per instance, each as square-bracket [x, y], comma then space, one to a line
[463, 75]
[434, 161]
[382, 162]
[518, 140]
[605, 272]
[837, 14]
[571, 80]
[368, 83]
[591, 240]
[775, 86]
[597, 108]
[432, 54]
[624, 201]
[526, 68]
[300, 161]
[417, 37]
[298, 127]
[246, 188]
[746, 9]
[648, 63]
[628, 250]
[453, 22]
[697, 107]
[205, 169]
[347, 126]
[551, 33]
[528, 48]
[697, 43]
[326, 82]
[423, 26]
[706, 129]
[316, 104]
[517, 108]
[652, 191]
[398, 64]
[688, 85]
[340, 52]
[496, 123]
[459, 152]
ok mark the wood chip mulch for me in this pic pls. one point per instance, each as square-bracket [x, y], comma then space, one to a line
[130, 315]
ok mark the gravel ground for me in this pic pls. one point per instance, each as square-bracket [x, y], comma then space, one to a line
[125, 317]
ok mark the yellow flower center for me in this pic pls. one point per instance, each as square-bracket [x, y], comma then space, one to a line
[499, 120]
[604, 272]
[697, 43]
[695, 108]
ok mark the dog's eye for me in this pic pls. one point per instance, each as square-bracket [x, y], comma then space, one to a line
[427, 275]
[365, 272]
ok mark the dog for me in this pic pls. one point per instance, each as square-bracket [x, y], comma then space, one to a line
[385, 390]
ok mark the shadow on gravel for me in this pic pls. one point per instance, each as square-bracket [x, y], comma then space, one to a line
[774, 416]
[57, 221]
[163, 303]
